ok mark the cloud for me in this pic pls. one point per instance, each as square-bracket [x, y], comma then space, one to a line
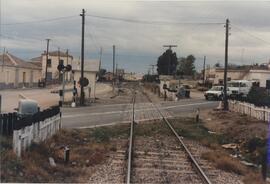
[139, 45]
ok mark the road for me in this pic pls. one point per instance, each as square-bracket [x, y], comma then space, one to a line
[99, 115]
[44, 97]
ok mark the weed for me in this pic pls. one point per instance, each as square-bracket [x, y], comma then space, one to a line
[225, 162]
[253, 177]
[101, 135]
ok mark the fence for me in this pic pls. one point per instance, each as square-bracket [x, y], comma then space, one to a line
[261, 113]
[26, 130]
[7, 122]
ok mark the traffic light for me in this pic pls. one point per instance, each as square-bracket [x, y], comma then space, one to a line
[62, 68]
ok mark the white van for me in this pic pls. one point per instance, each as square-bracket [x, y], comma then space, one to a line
[239, 88]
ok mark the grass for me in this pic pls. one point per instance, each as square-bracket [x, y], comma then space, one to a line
[187, 127]
[88, 147]
[225, 162]
[151, 128]
[255, 149]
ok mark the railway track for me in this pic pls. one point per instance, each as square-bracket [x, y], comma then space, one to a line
[160, 159]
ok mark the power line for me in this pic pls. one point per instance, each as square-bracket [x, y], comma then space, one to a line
[251, 35]
[150, 22]
[40, 21]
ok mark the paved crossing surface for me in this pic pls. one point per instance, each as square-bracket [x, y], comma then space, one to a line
[120, 113]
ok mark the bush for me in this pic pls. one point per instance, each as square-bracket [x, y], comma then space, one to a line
[258, 96]
[255, 143]
[100, 135]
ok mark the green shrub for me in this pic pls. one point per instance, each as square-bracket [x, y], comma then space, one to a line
[258, 96]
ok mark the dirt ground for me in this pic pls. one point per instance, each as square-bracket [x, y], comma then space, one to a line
[241, 127]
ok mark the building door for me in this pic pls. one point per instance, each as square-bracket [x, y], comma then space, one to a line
[31, 78]
[24, 78]
[16, 82]
[49, 76]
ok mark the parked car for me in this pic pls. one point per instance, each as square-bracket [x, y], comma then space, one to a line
[215, 93]
[183, 92]
[239, 88]
[27, 107]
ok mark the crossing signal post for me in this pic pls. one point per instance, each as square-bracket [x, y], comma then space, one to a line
[82, 56]
[63, 69]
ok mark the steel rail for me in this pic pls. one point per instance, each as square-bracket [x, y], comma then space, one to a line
[193, 160]
[128, 179]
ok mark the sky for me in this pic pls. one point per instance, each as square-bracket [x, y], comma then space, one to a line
[138, 29]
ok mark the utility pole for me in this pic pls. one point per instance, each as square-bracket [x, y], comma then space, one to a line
[225, 98]
[82, 57]
[204, 58]
[153, 67]
[67, 56]
[100, 55]
[169, 66]
[113, 65]
[58, 54]
[46, 66]
[116, 69]
[67, 64]
[3, 59]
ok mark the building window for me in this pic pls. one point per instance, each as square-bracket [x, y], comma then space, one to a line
[49, 63]
[220, 81]
[61, 62]
[49, 76]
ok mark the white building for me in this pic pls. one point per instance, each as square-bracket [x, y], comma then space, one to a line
[54, 59]
[216, 75]
[91, 68]
[259, 75]
[16, 73]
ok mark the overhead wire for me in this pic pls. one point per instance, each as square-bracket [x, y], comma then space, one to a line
[250, 34]
[40, 21]
[151, 22]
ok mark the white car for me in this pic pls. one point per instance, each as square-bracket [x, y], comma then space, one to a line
[216, 93]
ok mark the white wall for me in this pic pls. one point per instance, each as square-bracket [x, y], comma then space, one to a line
[91, 76]
[14, 75]
[261, 75]
[54, 64]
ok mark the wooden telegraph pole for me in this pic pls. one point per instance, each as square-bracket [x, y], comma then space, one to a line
[225, 97]
[82, 57]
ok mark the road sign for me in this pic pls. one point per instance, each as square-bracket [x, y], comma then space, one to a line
[84, 82]
[68, 68]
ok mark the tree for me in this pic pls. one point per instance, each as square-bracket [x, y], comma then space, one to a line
[100, 74]
[186, 66]
[217, 65]
[167, 62]
[258, 96]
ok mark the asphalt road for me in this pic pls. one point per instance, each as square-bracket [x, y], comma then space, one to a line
[99, 115]
[44, 97]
